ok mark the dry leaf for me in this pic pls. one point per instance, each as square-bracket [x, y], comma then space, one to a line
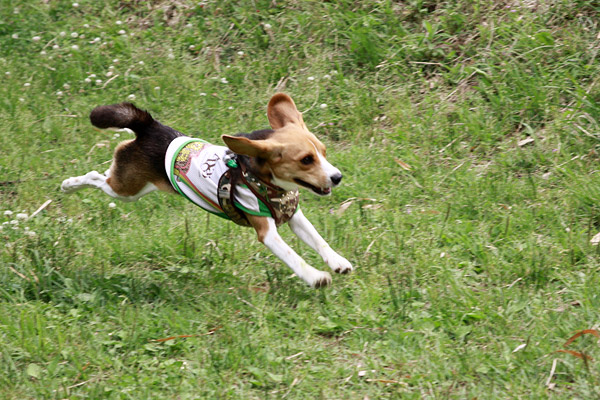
[525, 141]
[580, 333]
[577, 354]
[213, 330]
[520, 347]
[344, 207]
[174, 337]
[549, 382]
[372, 206]
[403, 164]
[383, 381]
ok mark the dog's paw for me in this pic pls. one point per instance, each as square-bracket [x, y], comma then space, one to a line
[70, 185]
[319, 279]
[338, 263]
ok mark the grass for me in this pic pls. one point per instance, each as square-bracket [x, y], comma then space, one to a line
[473, 248]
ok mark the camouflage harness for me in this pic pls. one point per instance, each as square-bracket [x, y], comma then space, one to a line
[281, 203]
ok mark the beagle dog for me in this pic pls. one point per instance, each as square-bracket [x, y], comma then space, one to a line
[253, 181]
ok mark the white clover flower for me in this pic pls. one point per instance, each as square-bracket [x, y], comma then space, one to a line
[59, 93]
[8, 213]
[31, 233]
[202, 94]
[116, 136]
[116, 60]
[157, 88]
[22, 100]
[98, 81]
[122, 32]
[323, 105]
[74, 34]
[66, 86]
[75, 47]
[86, 25]
[131, 97]
[224, 80]
[267, 26]
[27, 84]
[119, 22]
[55, 46]
[16, 11]
[87, 80]
[111, 205]
[43, 52]
[189, 26]
[36, 38]
[311, 78]
[92, 75]
[170, 56]
[15, 36]
[192, 47]
[111, 67]
[326, 76]
[141, 63]
[75, 5]
[109, 73]
[14, 222]
[7, 73]
[63, 33]
[22, 216]
[240, 53]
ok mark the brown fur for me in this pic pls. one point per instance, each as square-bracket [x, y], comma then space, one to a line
[279, 152]
[133, 167]
[287, 146]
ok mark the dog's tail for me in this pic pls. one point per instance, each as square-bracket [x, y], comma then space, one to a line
[124, 115]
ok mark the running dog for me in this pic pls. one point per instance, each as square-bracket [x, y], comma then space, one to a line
[253, 181]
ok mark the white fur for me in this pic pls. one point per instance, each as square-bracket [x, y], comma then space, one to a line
[302, 227]
[285, 253]
[94, 179]
[328, 169]
[285, 185]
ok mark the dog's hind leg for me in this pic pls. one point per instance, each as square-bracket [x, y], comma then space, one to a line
[94, 179]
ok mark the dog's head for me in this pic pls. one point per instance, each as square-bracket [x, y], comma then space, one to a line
[291, 154]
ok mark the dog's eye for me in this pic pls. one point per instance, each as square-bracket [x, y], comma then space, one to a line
[307, 160]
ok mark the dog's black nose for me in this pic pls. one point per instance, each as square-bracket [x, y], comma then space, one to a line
[336, 179]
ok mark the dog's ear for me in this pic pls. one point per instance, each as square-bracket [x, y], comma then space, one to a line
[282, 111]
[253, 148]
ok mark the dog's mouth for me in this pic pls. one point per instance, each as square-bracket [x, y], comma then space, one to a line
[320, 191]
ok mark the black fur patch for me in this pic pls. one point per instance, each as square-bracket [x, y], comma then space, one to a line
[124, 115]
[262, 134]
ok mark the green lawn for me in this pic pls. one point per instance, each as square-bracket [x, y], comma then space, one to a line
[468, 134]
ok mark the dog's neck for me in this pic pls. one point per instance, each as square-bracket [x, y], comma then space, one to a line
[257, 167]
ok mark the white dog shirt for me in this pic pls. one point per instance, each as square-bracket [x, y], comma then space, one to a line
[195, 168]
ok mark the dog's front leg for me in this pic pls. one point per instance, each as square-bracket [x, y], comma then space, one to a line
[302, 227]
[267, 234]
